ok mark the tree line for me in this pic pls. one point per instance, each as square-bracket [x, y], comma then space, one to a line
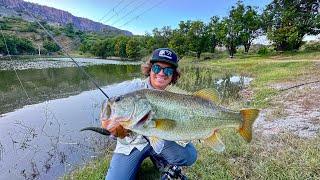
[284, 22]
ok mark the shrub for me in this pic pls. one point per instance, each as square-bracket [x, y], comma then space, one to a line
[312, 46]
[263, 50]
[16, 45]
[51, 46]
[5, 26]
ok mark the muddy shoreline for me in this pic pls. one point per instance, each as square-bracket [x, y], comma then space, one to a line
[43, 63]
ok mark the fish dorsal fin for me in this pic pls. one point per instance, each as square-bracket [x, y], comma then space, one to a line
[157, 144]
[177, 90]
[208, 94]
[215, 142]
[165, 124]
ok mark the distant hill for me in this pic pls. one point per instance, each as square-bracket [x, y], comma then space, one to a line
[54, 16]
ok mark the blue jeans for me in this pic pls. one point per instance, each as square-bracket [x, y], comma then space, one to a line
[125, 167]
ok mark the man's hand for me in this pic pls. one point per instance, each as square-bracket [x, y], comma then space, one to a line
[114, 128]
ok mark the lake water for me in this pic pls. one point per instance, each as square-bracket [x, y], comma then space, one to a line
[40, 137]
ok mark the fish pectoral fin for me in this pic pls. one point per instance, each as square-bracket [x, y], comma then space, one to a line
[157, 144]
[215, 142]
[183, 143]
[248, 116]
[165, 124]
[208, 94]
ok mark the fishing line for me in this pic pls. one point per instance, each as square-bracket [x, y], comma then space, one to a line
[130, 12]
[117, 13]
[15, 71]
[139, 15]
[19, 123]
[111, 10]
[285, 89]
[66, 53]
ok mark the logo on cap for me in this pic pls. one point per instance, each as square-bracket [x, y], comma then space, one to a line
[165, 53]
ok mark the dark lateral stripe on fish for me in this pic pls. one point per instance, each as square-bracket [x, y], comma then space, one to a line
[97, 129]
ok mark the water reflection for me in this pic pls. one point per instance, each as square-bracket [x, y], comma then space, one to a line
[52, 83]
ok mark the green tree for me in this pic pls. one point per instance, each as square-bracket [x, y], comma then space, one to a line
[50, 46]
[16, 45]
[228, 35]
[86, 46]
[178, 43]
[248, 22]
[120, 46]
[184, 27]
[25, 46]
[288, 21]
[70, 30]
[150, 42]
[162, 36]
[179, 39]
[108, 45]
[95, 49]
[212, 33]
[198, 37]
[133, 48]
[103, 48]
[4, 25]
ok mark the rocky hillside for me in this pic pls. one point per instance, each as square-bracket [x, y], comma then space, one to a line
[54, 16]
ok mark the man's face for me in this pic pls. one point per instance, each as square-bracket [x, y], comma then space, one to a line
[159, 80]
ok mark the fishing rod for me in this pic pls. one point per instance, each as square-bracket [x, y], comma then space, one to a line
[296, 86]
[14, 69]
[65, 52]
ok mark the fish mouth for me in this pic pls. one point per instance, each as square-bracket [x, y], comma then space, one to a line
[108, 111]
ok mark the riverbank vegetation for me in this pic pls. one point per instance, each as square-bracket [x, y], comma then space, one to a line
[285, 23]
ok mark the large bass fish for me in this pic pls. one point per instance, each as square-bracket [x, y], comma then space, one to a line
[168, 115]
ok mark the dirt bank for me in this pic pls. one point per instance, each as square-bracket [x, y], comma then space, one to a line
[296, 111]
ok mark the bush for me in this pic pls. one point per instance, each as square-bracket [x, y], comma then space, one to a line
[312, 46]
[263, 50]
[5, 26]
[16, 45]
[51, 46]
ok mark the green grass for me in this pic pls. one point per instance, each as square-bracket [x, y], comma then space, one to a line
[276, 157]
[267, 70]
[96, 169]
[288, 157]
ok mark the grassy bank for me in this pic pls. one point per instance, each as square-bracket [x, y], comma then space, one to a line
[278, 156]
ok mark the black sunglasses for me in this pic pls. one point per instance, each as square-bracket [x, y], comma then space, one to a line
[168, 71]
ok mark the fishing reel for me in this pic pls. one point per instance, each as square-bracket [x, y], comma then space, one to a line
[173, 172]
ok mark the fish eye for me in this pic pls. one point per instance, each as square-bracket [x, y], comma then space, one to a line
[118, 99]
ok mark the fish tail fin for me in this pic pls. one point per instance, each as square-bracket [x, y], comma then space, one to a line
[248, 117]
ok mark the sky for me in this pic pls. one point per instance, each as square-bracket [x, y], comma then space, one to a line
[141, 16]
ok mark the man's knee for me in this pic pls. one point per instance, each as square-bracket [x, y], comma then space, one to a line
[181, 156]
[191, 154]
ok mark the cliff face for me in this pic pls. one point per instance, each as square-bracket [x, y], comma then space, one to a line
[56, 16]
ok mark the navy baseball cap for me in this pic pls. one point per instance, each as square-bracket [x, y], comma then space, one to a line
[165, 55]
